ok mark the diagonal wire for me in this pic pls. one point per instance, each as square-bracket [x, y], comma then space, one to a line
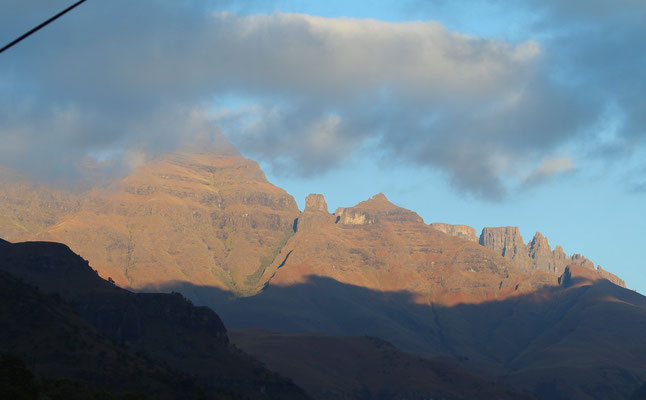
[55, 17]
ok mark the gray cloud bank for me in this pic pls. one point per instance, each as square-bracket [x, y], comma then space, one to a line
[307, 93]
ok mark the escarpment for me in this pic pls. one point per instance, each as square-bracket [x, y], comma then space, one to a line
[536, 255]
[208, 216]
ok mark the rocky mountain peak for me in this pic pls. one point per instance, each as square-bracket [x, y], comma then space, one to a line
[380, 197]
[377, 202]
[315, 203]
[538, 246]
[536, 255]
[315, 215]
[375, 209]
[539, 240]
[541, 257]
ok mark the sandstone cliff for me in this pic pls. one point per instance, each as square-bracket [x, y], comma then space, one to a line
[506, 241]
[537, 255]
[461, 231]
[316, 203]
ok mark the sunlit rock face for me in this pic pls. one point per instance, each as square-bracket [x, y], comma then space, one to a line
[461, 231]
[204, 216]
[27, 206]
[315, 203]
[315, 215]
[507, 242]
[356, 217]
[209, 217]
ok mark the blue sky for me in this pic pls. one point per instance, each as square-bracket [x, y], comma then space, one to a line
[485, 113]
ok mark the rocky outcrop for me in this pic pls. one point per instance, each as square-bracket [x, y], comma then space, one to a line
[315, 203]
[348, 216]
[461, 231]
[541, 257]
[315, 214]
[537, 255]
[507, 242]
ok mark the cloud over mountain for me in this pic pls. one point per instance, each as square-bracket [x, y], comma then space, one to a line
[302, 93]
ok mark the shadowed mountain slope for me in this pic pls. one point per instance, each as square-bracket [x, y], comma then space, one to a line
[362, 367]
[582, 340]
[165, 327]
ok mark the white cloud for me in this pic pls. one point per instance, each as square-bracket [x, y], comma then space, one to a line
[343, 56]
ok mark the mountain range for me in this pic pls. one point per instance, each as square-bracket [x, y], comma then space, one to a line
[206, 223]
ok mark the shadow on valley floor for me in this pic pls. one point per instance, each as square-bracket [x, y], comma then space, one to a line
[581, 341]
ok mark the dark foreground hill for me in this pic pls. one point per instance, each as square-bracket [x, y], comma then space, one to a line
[73, 324]
[56, 342]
